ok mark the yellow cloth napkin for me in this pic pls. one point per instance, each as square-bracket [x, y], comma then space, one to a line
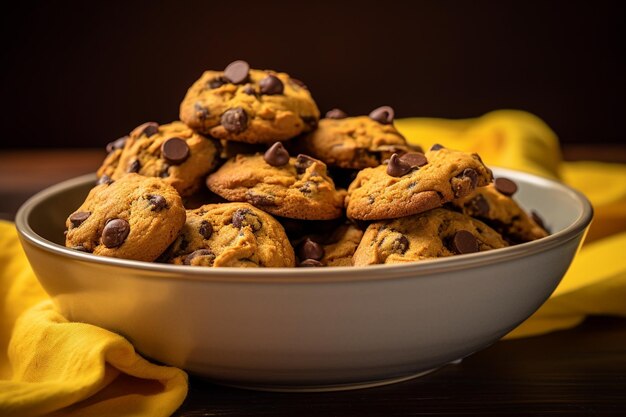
[596, 281]
[49, 366]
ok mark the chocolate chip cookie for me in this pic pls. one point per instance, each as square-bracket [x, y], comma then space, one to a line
[173, 152]
[249, 105]
[134, 217]
[334, 249]
[297, 188]
[355, 142]
[434, 234]
[415, 182]
[231, 235]
[495, 206]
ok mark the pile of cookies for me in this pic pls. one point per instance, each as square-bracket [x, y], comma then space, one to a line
[252, 177]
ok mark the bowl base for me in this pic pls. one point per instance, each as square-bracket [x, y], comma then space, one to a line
[335, 387]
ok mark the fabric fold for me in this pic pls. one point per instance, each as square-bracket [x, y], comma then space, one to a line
[54, 367]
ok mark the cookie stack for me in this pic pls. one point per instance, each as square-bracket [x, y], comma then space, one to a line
[251, 177]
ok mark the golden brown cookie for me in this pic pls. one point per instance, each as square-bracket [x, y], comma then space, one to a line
[434, 234]
[134, 217]
[414, 183]
[249, 105]
[334, 249]
[172, 151]
[494, 206]
[354, 142]
[340, 248]
[232, 235]
[298, 188]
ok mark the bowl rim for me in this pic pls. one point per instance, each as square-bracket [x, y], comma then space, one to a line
[308, 275]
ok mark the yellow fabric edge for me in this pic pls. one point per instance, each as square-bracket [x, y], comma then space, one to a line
[50, 366]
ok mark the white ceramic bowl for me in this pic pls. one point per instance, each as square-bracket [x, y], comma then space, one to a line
[307, 328]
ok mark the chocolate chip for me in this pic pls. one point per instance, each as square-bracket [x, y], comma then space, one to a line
[249, 90]
[205, 229]
[303, 162]
[237, 72]
[336, 114]
[414, 159]
[201, 112]
[472, 175]
[105, 179]
[463, 242]
[271, 85]
[505, 186]
[217, 82]
[245, 217]
[464, 183]
[310, 263]
[397, 167]
[79, 217]
[175, 151]
[135, 166]
[309, 249]
[80, 248]
[116, 144]
[235, 120]
[276, 155]
[306, 188]
[383, 115]
[115, 233]
[260, 200]
[436, 147]
[479, 206]
[198, 253]
[400, 245]
[147, 129]
[157, 202]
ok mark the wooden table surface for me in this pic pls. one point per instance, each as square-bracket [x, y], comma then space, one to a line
[581, 371]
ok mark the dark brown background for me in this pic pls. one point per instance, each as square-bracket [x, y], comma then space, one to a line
[79, 74]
